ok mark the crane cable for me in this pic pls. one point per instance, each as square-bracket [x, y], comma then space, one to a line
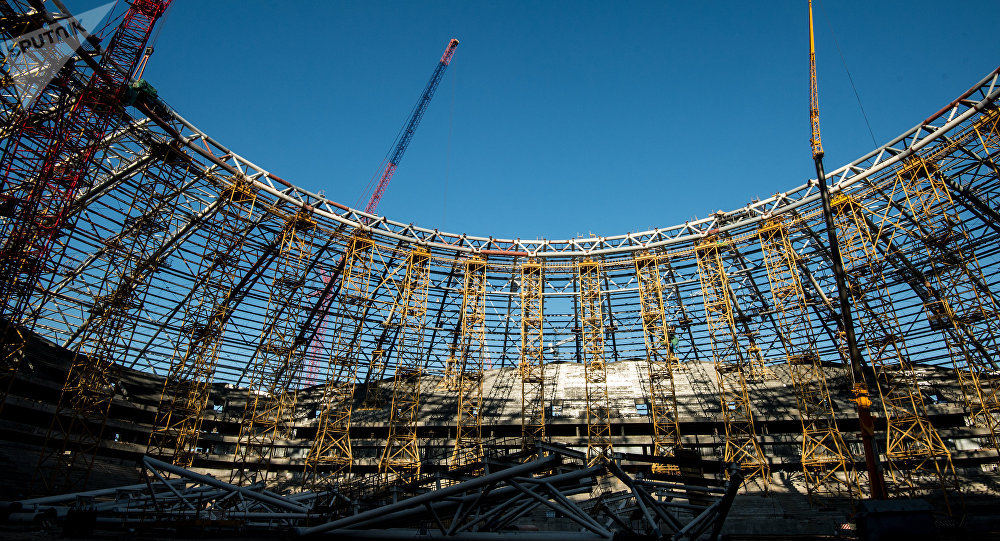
[447, 159]
[843, 60]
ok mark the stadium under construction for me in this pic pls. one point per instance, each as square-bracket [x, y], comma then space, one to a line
[193, 345]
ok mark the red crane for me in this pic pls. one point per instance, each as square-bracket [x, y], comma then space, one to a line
[45, 164]
[390, 168]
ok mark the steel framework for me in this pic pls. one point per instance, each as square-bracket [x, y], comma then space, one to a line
[532, 358]
[279, 358]
[599, 443]
[741, 446]
[915, 453]
[960, 307]
[330, 454]
[401, 458]
[827, 461]
[469, 432]
[206, 324]
[187, 385]
[660, 359]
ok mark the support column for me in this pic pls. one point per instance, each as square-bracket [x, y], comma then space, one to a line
[827, 462]
[401, 458]
[741, 445]
[279, 358]
[472, 357]
[532, 365]
[660, 360]
[595, 370]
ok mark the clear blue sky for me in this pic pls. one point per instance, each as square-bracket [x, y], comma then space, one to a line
[559, 118]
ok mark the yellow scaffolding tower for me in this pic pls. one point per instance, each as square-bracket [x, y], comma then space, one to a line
[270, 399]
[374, 394]
[469, 434]
[741, 444]
[330, 454]
[914, 451]
[75, 434]
[963, 312]
[595, 371]
[987, 131]
[660, 360]
[827, 462]
[401, 457]
[185, 394]
[532, 365]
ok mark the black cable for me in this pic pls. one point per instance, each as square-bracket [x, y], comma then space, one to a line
[851, 79]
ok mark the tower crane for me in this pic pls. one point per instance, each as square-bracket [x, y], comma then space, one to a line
[859, 387]
[45, 164]
[390, 168]
[411, 126]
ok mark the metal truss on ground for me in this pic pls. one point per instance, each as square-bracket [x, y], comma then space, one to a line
[481, 507]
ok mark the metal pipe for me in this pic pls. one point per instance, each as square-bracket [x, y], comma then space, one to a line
[211, 481]
[454, 490]
[72, 496]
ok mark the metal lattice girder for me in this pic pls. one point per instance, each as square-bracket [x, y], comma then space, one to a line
[469, 434]
[964, 312]
[741, 444]
[827, 462]
[532, 361]
[916, 455]
[31, 141]
[331, 454]
[401, 458]
[660, 358]
[595, 371]
[75, 434]
[185, 395]
[279, 357]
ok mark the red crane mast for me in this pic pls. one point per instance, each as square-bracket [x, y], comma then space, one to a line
[46, 164]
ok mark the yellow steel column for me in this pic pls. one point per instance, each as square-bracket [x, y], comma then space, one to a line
[401, 457]
[827, 462]
[330, 454]
[741, 444]
[75, 434]
[532, 365]
[965, 314]
[660, 360]
[177, 426]
[472, 357]
[915, 453]
[278, 360]
[595, 371]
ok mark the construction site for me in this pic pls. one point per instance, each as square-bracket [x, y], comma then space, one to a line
[193, 346]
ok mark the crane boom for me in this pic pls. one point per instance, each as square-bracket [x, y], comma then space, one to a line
[411, 126]
[857, 365]
[814, 141]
